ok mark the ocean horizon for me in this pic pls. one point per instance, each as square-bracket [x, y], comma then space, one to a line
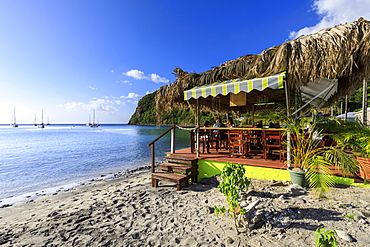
[36, 161]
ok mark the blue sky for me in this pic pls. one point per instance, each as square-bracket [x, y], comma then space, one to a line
[69, 57]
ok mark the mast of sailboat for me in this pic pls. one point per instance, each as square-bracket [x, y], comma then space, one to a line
[93, 117]
[14, 124]
[42, 119]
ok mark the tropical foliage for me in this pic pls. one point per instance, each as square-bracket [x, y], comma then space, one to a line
[319, 161]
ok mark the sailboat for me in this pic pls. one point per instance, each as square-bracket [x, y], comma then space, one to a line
[89, 123]
[14, 124]
[93, 124]
[34, 121]
[42, 120]
[47, 123]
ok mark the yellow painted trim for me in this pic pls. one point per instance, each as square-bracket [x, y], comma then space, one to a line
[281, 81]
[194, 94]
[204, 93]
[265, 83]
[236, 88]
[213, 91]
[250, 85]
[224, 89]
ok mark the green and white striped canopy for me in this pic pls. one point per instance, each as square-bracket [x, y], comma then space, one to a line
[235, 86]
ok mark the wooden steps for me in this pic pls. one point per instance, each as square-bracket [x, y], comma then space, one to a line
[177, 169]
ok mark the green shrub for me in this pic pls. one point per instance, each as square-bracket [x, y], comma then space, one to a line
[233, 183]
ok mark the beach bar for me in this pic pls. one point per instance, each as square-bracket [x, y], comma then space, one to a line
[297, 76]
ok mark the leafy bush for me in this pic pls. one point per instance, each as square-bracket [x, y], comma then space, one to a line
[233, 183]
[325, 238]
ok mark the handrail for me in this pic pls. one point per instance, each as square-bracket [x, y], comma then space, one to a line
[173, 128]
[159, 137]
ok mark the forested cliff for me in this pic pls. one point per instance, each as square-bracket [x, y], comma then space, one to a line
[145, 113]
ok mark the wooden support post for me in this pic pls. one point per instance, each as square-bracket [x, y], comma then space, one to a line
[364, 103]
[346, 108]
[173, 139]
[153, 158]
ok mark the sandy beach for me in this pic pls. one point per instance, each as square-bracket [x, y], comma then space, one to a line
[127, 211]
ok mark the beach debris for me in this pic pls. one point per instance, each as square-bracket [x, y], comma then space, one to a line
[52, 214]
[298, 200]
[296, 190]
[345, 236]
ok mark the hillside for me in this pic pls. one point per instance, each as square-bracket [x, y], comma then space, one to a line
[145, 113]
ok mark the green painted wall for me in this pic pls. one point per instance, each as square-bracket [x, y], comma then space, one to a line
[207, 168]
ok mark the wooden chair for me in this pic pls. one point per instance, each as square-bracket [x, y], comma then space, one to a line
[236, 143]
[204, 136]
[256, 138]
[247, 142]
[271, 141]
[202, 140]
[214, 139]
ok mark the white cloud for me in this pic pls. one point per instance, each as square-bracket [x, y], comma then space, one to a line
[119, 102]
[139, 75]
[156, 78]
[92, 88]
[335, 12]
[125, 82]
[97, 104]
[131, 96]
[133, 102]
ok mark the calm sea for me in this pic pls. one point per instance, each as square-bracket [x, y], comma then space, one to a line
[36, 161]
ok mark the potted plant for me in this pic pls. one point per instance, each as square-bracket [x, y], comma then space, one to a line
[308, 155]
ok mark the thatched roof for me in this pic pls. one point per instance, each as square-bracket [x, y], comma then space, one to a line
[341, 52]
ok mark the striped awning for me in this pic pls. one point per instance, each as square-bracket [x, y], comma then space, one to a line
[235, 86]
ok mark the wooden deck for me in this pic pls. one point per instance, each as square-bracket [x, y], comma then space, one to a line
[255, 158]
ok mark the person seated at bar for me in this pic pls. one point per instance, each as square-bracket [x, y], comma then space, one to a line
[258, 124]
[218, 123]
[206, 123]
[223, 135]
[272, 125]
[230, 123]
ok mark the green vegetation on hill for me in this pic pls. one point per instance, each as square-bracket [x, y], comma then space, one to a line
[145, 114]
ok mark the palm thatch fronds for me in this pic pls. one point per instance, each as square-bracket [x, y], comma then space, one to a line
[341, 52]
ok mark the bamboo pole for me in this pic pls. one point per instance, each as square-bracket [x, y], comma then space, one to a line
[364, 103]
[346, 108]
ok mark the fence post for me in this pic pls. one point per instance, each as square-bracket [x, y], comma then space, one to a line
[173, 139]
[153, 158]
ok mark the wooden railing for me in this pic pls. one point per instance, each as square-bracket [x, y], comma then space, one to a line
[173, 145]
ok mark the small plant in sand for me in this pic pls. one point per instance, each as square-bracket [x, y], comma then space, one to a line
[350, 216]
[325, 238]
[233, 183]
